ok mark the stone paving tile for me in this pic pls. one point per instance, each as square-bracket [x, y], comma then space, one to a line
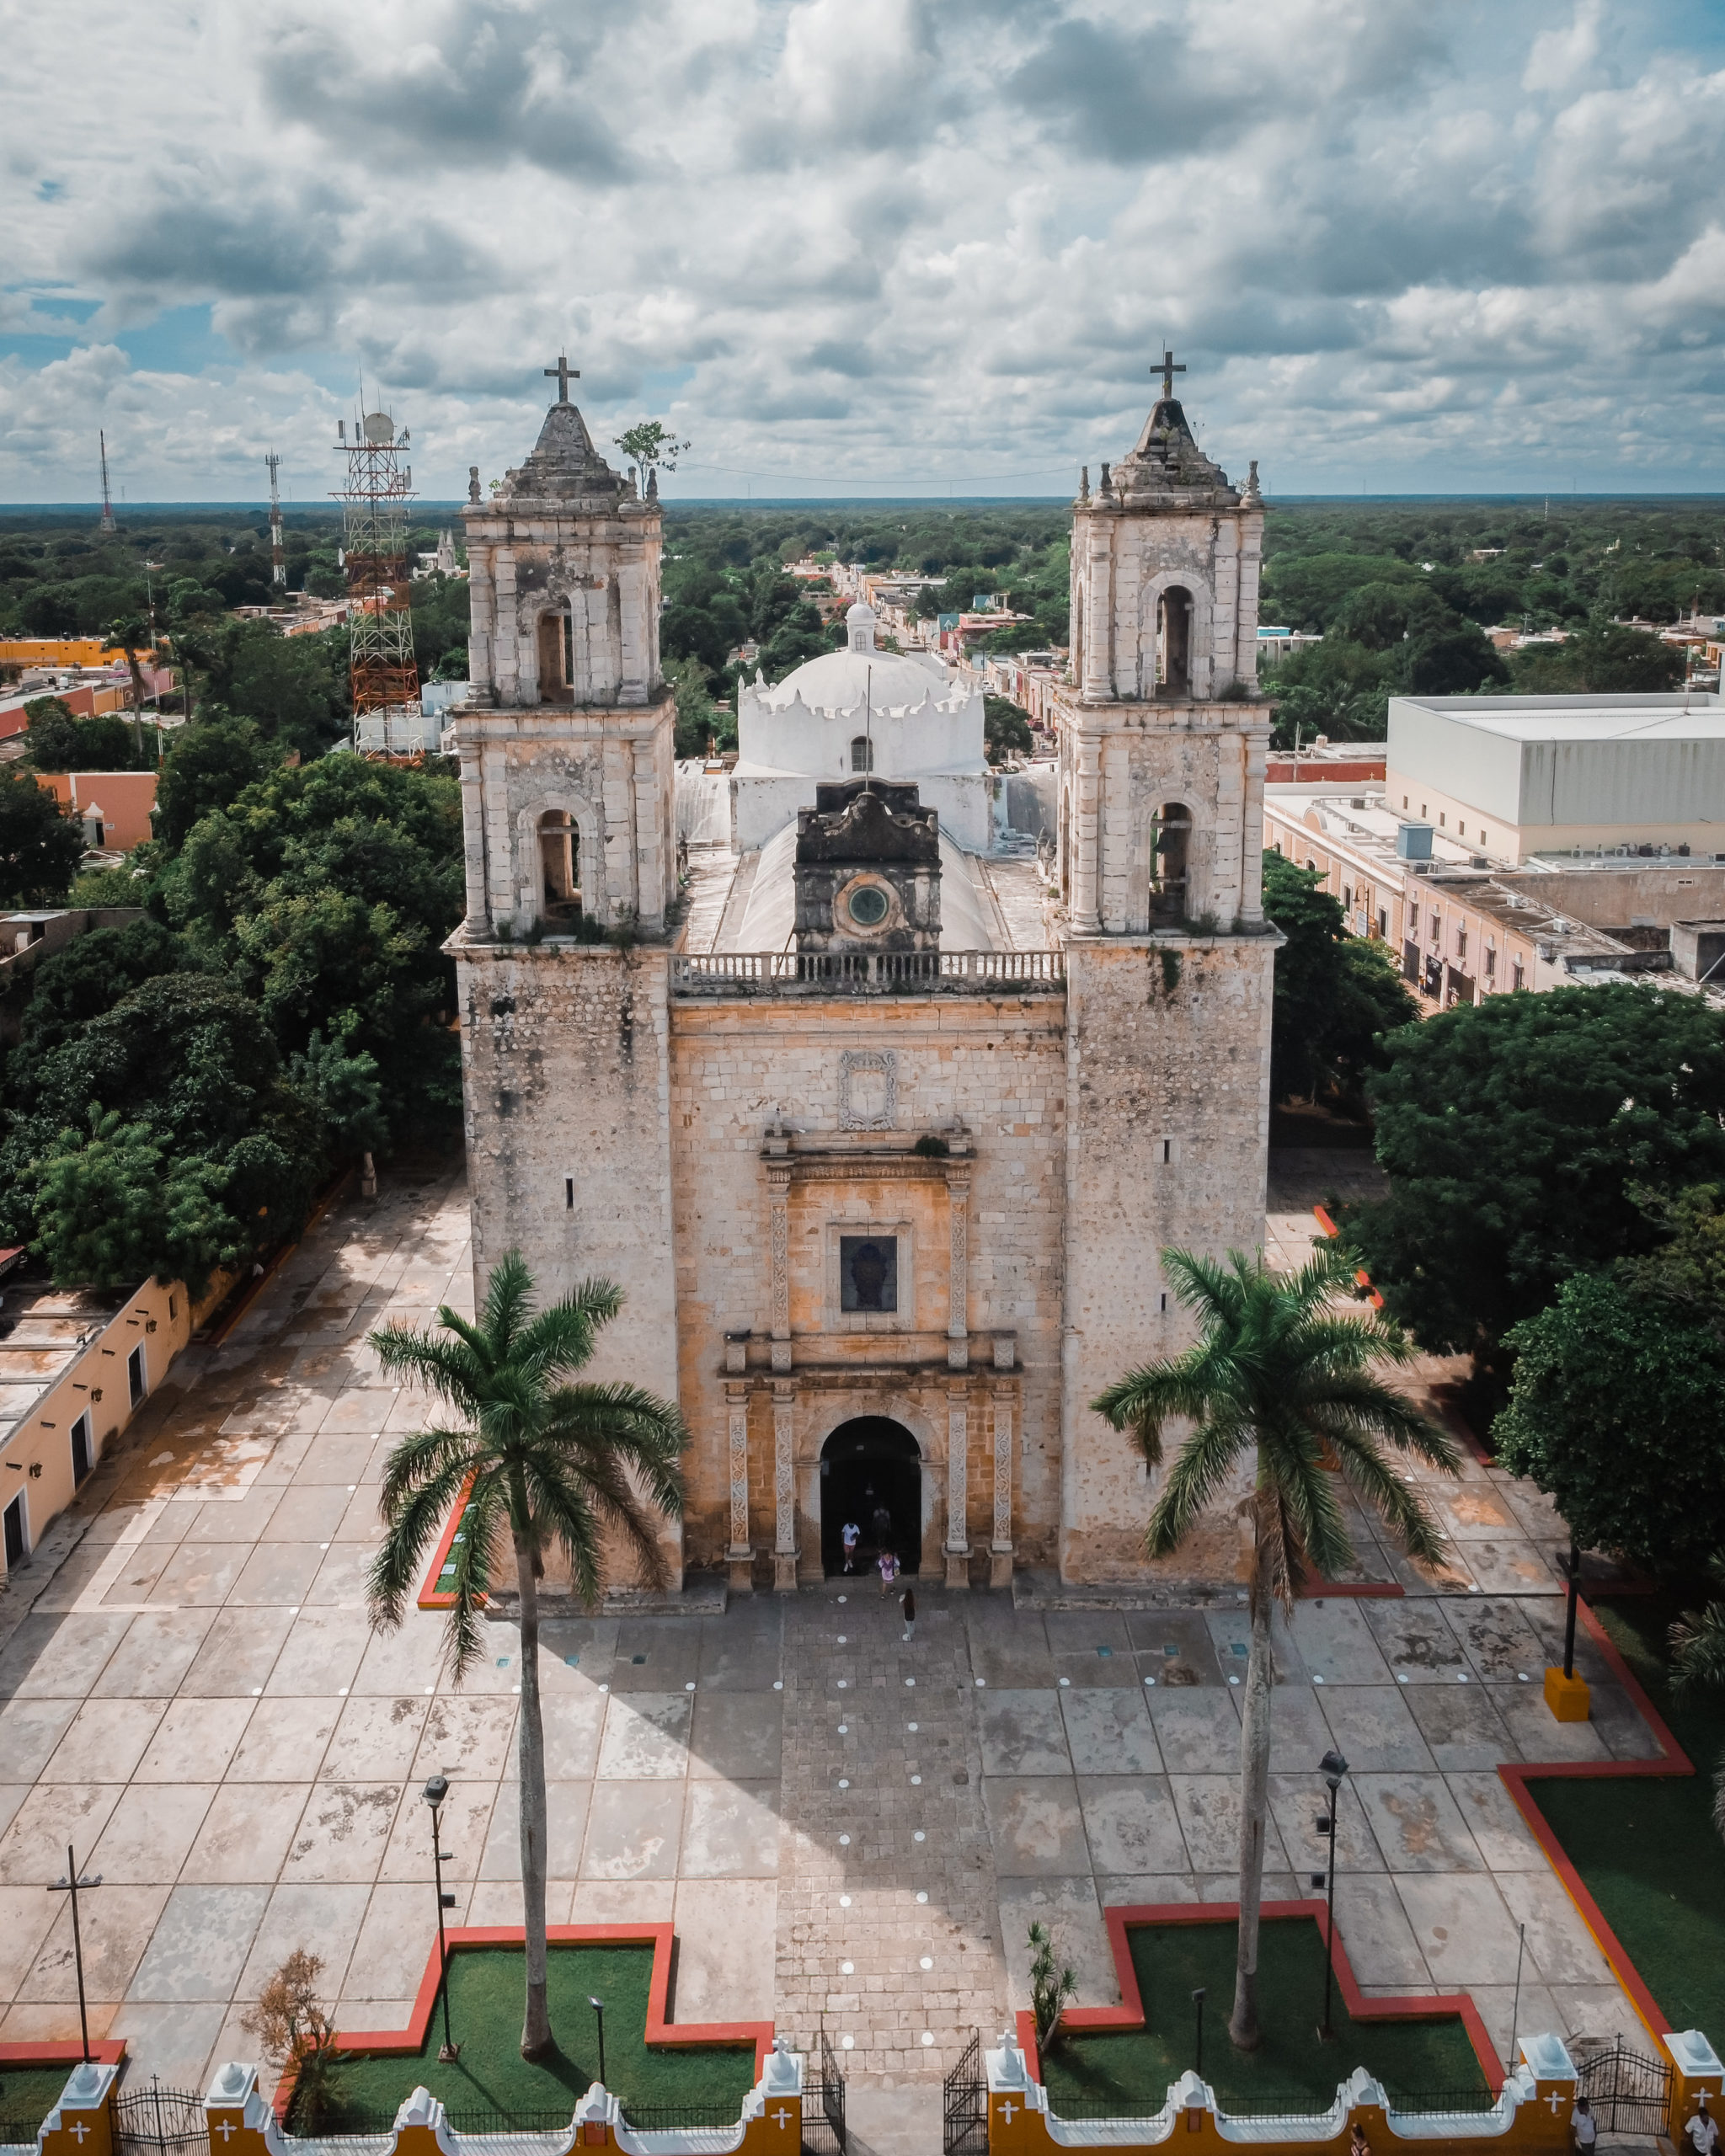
[207, 1646]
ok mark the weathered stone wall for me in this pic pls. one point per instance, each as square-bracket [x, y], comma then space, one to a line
[1167, 1120]
[997, 1068]
[565, 1055]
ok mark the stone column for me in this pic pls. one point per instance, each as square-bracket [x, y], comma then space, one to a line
[958, 1273]
[1000, 1548]
[650, 866]
[1100, 564]
[739, 1556]
[958, 1545]
[473, 836]
[785, 1552]
[778, 1186]
[1086, 833]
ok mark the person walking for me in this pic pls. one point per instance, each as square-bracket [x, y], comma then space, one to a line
[1584, 2127]
[1357, 2145]
[889, 1570]
[1703, 2130]
[907, 1603]
[881, 1523]
[850, 1535]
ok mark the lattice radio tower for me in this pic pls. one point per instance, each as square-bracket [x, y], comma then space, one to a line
[278, 559]
[107, 523]
[382, 676]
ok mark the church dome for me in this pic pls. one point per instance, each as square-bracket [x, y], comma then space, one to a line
[841, 680]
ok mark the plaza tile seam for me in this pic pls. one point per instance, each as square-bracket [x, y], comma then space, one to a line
[1129, 2013]
[660, 2031]
[1674, 1760]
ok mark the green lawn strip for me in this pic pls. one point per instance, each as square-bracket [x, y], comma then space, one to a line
[26, 2095]
[1647, 1848]
[1132, 2069]
[491, 2080]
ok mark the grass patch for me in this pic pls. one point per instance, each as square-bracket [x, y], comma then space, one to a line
[1128, 2072]
[26, 2095]
[491, 2083]
[1647, 1848]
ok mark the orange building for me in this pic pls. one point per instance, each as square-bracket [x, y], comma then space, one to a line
[114, 806]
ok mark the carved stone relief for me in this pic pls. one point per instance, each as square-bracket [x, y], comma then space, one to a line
[868, 1089]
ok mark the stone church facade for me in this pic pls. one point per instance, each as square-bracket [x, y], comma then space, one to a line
[888, 1200]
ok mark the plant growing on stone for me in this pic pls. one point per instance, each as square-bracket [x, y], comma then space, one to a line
[1282, 1382]
[295, 2034]
[546, 1465]
[1051, 1985]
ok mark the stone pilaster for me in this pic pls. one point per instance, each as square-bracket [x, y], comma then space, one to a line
[957, 1546]
[1000, 1548]
[958, 1273]
[778, 1185]
[739, 1555]
[784, 1488]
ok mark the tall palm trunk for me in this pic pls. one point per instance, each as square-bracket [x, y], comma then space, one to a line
[536, 2025]
[1254, 1810]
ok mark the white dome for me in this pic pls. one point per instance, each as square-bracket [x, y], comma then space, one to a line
[861, 611]
[841, 680]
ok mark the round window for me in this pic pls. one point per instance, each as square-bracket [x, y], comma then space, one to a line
[867, 906]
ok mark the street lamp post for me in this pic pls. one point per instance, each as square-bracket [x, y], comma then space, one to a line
[1573, 1572]
[73, 1886]
[435, 1793]
[598, 2007]
[1197, 2001]
[1332, 1767]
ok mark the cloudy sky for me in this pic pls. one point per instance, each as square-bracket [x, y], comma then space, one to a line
[867, 247]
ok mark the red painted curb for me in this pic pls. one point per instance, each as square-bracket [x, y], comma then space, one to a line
[1675, 1761]
[1129, 2013]
[109, 2050]
[429, 1598]
[661, 1937]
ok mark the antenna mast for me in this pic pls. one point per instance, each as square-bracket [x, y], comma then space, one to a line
[278, 563]
[382, 675]
[107, 523]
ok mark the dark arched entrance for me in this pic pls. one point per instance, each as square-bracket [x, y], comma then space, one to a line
[869, 1467]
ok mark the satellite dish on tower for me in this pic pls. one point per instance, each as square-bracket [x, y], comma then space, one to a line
[379, 429]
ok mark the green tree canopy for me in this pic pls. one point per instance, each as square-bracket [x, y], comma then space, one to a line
[1513, 1132]
[40, 845]
[1617, 1410]
[112, 1210]
[1335, 994]
[1006, 729]
[56, 740]
[213, 761]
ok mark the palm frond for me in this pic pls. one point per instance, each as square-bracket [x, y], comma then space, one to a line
[1201, 1468]
[1396, 1502]
[627, 1420]
[509, 1302]
[454, 1370]
[412, 1524]
[485, 1515]
[414, 1458]
[1697, 1642]
[1146, 1399]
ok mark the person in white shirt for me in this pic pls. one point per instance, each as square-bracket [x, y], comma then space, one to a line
[850, 1535]
[1703, 2130]
[1583, 2126]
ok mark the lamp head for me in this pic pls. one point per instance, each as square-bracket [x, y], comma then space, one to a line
[597, 2004]
[436, 1790]
[1332, 1766]
[1198, 1996]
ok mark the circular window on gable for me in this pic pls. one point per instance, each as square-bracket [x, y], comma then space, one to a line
[867, 904]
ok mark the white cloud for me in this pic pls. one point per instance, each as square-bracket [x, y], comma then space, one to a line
[862, 239]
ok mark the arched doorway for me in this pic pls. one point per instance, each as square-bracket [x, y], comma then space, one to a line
[868, 1468]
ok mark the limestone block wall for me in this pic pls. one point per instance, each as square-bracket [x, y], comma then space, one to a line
[909, 1067]
[566, 1072]
[1167, 1113]
[1122, 563]
[613, 771]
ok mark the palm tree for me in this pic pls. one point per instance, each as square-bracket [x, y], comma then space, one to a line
[1279, 1375]
[552, 1465]
[131, 633]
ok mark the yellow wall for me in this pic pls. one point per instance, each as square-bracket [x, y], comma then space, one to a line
[60, 651]
[38, 1459]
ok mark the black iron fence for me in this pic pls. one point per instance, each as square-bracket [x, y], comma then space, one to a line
[963, 2109]
[1626, 2091]
[158, 2121]
[825, 2132]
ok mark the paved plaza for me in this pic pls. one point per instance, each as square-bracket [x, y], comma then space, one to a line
[843, 1827]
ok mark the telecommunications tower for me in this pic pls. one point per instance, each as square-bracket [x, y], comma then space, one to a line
[278, 560]
[107, 523]
[382, 674]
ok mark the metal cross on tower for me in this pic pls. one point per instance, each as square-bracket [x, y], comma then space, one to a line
[565, 375]
[1169, 367]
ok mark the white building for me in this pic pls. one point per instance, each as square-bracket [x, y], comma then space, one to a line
[1515, 777]
[900, 715]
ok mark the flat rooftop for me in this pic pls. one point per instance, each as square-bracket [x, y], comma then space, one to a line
[1675, 717]
[43, 1331]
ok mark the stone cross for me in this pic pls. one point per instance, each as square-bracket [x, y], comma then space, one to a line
[1169, 367]
[1006, 2111]
[78, 2131]
[1554, 2100]
[226, 2129]
[782, 2117]
[565, 375]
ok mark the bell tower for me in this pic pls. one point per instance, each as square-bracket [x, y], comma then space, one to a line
[1163, 734]
[565, 742]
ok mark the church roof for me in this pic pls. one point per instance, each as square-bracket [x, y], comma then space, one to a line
[1167, 461]
[563, 465]
[840, 681]
[769, 918]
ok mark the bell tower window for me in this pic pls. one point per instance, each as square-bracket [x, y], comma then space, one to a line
[861, 754]
[560, 858]
[1170, 843]
[1173, 640]
[557, 656]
